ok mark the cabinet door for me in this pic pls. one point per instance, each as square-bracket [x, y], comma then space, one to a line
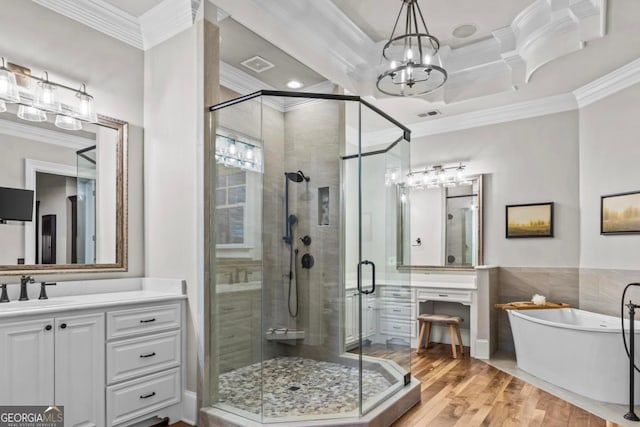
[350, 318]
[369, 316]
[26, 363]
[80, 369]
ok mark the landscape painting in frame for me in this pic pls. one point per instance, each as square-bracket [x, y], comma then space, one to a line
[531, 220]
[620, 213]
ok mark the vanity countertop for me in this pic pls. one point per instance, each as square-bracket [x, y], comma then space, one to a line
[75, 301]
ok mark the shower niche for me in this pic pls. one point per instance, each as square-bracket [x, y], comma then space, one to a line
[295, 228]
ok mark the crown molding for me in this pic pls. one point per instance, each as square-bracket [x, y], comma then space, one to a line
[48, 136]
[491, 116]
[100, 16]
[622, 78]
[152, 28]
[164, 21]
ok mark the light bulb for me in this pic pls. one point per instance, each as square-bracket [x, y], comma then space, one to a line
[393, 176]
[45, 97]
[409, 54]
[459, 174]
[8, 86]
[427, 59]
[232, 148]
[394, 64]
[249, 154]
[425, 178]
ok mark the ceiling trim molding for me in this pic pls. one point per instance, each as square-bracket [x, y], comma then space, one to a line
[48, 136]
[491, 116]
[100, 16]
[165, 20]
[622, 78]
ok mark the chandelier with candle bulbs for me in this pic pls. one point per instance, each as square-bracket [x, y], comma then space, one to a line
[413, 60]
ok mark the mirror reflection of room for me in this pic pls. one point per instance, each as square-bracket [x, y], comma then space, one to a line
[440, 223]
[71, 218]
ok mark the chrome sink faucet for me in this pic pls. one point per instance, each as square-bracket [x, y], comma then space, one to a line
[24, 280]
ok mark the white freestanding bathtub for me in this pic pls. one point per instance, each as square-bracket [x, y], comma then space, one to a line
[576, 350]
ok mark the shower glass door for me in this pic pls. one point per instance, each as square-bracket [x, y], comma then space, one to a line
[384, 293]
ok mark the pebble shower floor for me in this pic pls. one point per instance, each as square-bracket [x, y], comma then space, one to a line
[294, 386]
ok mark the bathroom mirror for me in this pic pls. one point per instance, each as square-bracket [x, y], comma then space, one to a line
[79, 213]
[446, 226]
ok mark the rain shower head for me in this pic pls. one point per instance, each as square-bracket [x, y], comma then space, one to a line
[297, 176]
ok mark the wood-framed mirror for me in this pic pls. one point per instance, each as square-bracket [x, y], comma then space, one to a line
[445, 230]
[72, 184]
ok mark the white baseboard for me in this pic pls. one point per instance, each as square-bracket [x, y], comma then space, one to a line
[190, 407]
[482, 350]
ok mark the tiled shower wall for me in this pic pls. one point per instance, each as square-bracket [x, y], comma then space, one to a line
[313, 140]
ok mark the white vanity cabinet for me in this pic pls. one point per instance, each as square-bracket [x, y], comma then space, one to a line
[369, 326]
[111, 359]
[55, 361]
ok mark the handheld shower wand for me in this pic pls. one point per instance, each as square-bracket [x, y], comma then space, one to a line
[290, 220]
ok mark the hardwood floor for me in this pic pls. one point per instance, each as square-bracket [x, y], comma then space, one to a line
[466, 392]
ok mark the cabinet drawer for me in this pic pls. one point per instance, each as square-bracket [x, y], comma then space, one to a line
[444, 295]
[135, 398]
[395, 328]
[141, 356]
[137, 321]
[397, 310]
[395, 292]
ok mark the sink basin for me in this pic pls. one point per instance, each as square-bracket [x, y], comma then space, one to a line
[30, 305]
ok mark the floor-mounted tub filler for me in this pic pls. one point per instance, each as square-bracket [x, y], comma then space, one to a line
[576, 350]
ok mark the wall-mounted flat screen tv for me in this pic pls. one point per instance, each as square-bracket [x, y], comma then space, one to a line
[16, 204]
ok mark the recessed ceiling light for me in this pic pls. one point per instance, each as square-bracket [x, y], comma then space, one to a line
[465, 30]
[294, 84]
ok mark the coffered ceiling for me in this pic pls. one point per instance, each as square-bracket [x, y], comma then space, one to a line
[441, 17]
[523, 50]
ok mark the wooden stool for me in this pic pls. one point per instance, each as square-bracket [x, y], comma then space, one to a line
[454, 323]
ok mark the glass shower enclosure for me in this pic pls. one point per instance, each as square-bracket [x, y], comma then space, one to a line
[310, 319]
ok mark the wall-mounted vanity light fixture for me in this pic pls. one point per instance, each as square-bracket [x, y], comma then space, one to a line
[235, 153]
[38, 96]
[431, 177]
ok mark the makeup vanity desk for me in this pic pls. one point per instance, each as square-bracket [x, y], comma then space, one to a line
[471, 294]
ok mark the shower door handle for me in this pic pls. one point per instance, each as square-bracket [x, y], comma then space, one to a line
[373, 277]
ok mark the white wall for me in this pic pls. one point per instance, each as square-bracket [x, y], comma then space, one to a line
[171, 164]
[609, 155]
[37, 37]
[525, 161]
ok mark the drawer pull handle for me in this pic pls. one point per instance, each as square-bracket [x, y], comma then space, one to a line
[396, 327]
[396, 295]
[443, 295]
[396, 311]
[143, 356]
[148, 395]
[148, 320]
[47, 328]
